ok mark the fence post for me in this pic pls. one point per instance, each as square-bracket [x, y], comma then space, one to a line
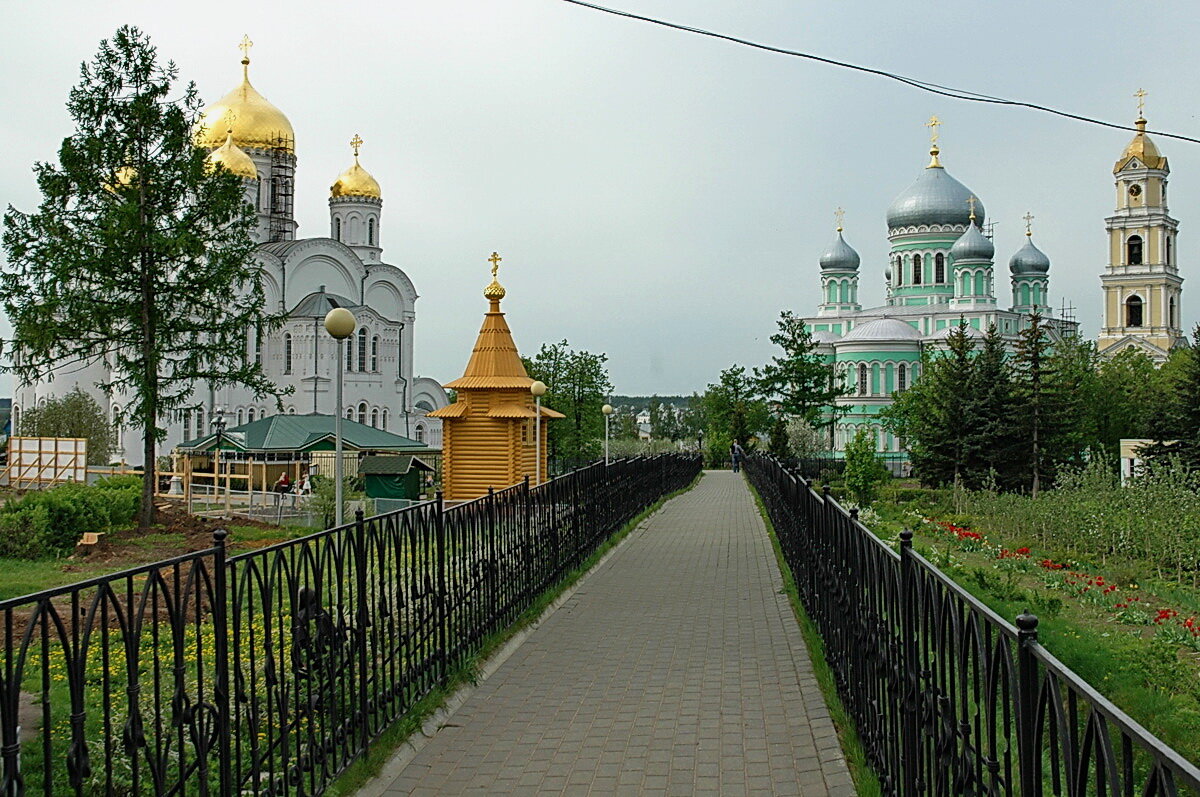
[1028, 755]
[442, 615]
[910, 700]
[363, 622]
[493, 562]
[527, 544]
[220, 612]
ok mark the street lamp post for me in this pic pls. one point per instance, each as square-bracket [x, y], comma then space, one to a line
[608, 411]
[538, 389]
[700, 445]
[340, 323]
[218, 422]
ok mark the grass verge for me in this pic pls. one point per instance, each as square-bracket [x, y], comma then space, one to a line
[865, 780]
[382, 749]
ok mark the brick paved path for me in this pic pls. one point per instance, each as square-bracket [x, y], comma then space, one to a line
[675, 668]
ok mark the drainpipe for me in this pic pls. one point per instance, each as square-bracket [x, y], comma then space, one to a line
[401, 377]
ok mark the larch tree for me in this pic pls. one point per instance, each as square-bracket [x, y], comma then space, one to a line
[139, 254]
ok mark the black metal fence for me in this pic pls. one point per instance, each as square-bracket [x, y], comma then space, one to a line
[271, 671]
[948, 697]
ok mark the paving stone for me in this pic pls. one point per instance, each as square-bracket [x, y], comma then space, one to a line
[676, 667]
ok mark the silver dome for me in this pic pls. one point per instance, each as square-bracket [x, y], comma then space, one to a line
[935, 198]
[840, 256]
[973, 245]
[1029, 261]
[880, 329]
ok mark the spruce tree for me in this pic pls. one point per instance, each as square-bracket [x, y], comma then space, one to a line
[1178, 432]
[1072, 422]
[934, 416]
[992, 443]
[1031, 389]
[139, 253]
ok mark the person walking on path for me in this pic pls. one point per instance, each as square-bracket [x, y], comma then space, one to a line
[737, 454]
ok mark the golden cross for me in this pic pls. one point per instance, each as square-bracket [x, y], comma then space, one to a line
[1028, 223]
[355, 143]
[245, 47]
[495, 261]
[971, 200]
[1141, 98]
[933, 124]
[229, 117]
[840, 215]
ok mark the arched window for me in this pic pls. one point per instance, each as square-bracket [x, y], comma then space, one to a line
[375, 419]
[385, 419]
[939, 268]
[200, 422]
[901, 377]
[1133, 311]
[1171, 312]
[362, 348]
[250, 415]
[862, 379]
[349, 413]
[337, 229]
[349, 344]
[1169, 250]
[1133, 250]
[375, 354]
[420, 433]
[240, 417]
[291, 410]
[187, 423]
[916, 280]
[287, 353]
[370, 232]
[362, 413]
[258, 346]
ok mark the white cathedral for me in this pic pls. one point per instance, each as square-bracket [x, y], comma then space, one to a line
[305, 278]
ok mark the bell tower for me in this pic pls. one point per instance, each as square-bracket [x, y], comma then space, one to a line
[1142, 285]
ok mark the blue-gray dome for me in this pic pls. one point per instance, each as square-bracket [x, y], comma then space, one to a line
[840, 256]
[1029, 261]
[935, 198]
[972, 245]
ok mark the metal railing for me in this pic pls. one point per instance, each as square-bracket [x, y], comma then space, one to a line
[271, 671]
[948, 697]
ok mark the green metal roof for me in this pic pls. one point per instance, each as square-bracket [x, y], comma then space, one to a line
[302, 432]
[391, 465]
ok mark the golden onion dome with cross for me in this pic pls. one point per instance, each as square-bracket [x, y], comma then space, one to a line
[234, 160]
[494, 292]
[356, 181]
[245, 114]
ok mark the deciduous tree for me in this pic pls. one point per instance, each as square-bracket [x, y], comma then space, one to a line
[578, 383]
[74, 415]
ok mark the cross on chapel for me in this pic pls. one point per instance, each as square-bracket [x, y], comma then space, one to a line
[245, 46]
[840, 215]
[1028, 223]
[355, 144]
[1141, 98]
[495, 261]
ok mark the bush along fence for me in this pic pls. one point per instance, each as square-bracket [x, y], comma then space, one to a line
[948, 697]
[270, 672]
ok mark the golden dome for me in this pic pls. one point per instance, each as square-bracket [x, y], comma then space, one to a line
[1142, 148]
[494, 292]
[356, 181]
[234, 160]
[256, 123]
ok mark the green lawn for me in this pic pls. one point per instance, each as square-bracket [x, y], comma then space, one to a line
[23, 577]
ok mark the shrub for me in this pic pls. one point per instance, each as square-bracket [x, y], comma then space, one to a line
[52, 522]
[23, 531]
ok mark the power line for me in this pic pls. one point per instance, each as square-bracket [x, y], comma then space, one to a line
[923, 85]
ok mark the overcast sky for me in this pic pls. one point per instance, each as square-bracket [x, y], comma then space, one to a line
[655, 195]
